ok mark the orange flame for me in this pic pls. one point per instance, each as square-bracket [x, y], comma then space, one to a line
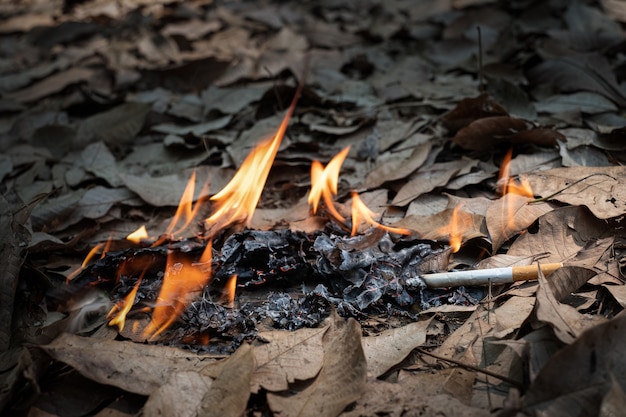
[324, 184]
[118, 313]
[181, 279]
[104, 246]
[228, 297]
[455, 229]
[362, 214]
[138, 235]
[186, 210]
[239, 198]
[508, 183]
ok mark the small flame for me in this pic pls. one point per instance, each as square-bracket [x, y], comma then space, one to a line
[118, 313]
[186, 211]
[509, 184]
[228, 297]
[362, 214]
[239, 198]
[324, 184]
[104, 246]
[138, 235]
[181, 279]
[459, 223]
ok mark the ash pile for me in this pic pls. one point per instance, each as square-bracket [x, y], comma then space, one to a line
[284, 279]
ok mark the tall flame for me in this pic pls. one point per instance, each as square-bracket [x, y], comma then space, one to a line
[324, 184]
[118, 313]
[509, 184]
[182, 278]
[239, 198]
[362, 214]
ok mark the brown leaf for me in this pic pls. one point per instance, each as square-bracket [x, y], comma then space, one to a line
[486, 133]
[180, 395]
[562, 233]
[437, 226]
[576, 379]
[565, 320]
[228, 394]
[287, 357]
[389, 348]
[130, 366]
[470, 109]
[117, 126]
[340, 382]
[511, 214]
[602, 189]
[395, 166]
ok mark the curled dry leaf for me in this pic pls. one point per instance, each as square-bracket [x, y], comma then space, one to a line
[489, 132]
[564, 319]
[340, 382]
[577, 377]
[130, 366]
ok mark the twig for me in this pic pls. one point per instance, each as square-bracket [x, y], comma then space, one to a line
[546, 198]
[473, 368]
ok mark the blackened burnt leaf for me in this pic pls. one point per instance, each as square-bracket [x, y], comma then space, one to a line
[483, 134]
[590, 72]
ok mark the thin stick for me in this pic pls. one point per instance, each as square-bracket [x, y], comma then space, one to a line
[481, 84]
[473, 368]
[546, 198]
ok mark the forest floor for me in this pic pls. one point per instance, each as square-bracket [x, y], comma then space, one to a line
[481, 134]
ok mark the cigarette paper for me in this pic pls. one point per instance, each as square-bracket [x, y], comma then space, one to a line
[477, 277]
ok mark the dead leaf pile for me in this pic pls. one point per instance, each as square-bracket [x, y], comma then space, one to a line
[107, 108]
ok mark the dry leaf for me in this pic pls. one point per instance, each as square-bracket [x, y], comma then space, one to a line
[562, 233]
[511, 214]
[397, 165]
[130, 366]
[287, 357]
[180, 395]
[565, 320]
[577, 378]
[389, 348]
[602, 189]
[228, 394]
[340, 382]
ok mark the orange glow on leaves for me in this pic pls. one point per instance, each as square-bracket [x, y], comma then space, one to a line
[362, 214]
[324, 184]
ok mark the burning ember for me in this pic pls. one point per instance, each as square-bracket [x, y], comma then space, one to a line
[362, 214]
[324, 184]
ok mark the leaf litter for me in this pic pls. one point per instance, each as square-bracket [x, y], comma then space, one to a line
[108, 108]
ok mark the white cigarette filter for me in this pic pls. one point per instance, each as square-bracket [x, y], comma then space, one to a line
[478, 277]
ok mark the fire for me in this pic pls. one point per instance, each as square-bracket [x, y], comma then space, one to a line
[239, 198]
[181, 279]
[228, 297]
[186, 211]
[460, 222]
[362, 214]
[324, 184]
[510, 185]
[138, 235]
[104, 246]
[118, 313]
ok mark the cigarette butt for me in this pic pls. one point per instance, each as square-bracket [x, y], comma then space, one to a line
[529, 272]
[478, 277]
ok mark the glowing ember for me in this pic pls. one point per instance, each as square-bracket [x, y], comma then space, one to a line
[138, 235]
[118, 313]
[238, 199]
[228, 297]
[324, 184]
[362, 214]
[182, 278]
